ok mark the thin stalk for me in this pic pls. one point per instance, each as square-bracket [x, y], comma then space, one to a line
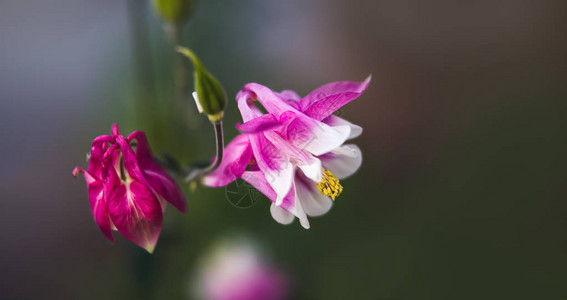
[220, 147]
[173, 32]
[181, 80]
[144, 90]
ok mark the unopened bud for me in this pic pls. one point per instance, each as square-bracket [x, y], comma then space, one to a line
[174, 11]
[210, 96]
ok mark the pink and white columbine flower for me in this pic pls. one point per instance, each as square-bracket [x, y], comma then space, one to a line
[127, 189]
[295, 154]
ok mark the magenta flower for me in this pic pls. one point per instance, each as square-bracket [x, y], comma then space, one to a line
[294, 154]
[127, 189]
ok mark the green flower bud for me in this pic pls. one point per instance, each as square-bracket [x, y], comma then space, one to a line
[174, 11]
[209, 95]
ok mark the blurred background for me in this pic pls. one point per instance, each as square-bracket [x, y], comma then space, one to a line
[461, 194]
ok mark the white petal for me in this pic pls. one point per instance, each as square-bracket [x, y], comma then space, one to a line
[280, 181]
[286, 216]
[326, 138]
[281, 215]
[313, 202]
[334, 121]
[312, 170]
[300, 213]
[343, 161]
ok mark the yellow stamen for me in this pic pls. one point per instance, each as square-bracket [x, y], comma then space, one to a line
[329, 185]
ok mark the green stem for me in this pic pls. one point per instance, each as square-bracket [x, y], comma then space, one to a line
[181, 77]
[141, 56]
[220, 148]
[173, 32]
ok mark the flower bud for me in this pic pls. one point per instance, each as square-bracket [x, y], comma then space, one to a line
[174, 11]
[210, 95]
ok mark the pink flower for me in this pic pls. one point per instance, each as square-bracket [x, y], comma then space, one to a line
[127, 189]
[295, 154]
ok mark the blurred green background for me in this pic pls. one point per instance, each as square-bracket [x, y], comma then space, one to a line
[461, 194]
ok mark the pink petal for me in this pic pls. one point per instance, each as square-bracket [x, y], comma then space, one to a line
[274, 163]
[130, 161]
[268, 98]
[325, 100]
[96, 156]
[286, 119]
[166, 188]
[114, 130]
[244, 99]
[236, 157]
[156, 176]
[98, 202]
[291, 98]
[111, 170]
[289, 95]
[99, 208]
[136, 213]
[259, 124]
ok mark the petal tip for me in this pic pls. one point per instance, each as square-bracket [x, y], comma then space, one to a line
[76, 171]
[150, 249]
[114, 129]
[304, 223]
[365, 83]
[182, 207]
[109, 236]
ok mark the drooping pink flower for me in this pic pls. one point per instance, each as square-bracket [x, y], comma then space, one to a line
[127, 189]
[295, 154]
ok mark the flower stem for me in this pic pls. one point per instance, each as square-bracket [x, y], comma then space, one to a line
[186, 115]
[173, 32]
[141, 57]
[220, 147]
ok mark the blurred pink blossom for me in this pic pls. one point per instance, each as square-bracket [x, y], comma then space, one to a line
[237, 270]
